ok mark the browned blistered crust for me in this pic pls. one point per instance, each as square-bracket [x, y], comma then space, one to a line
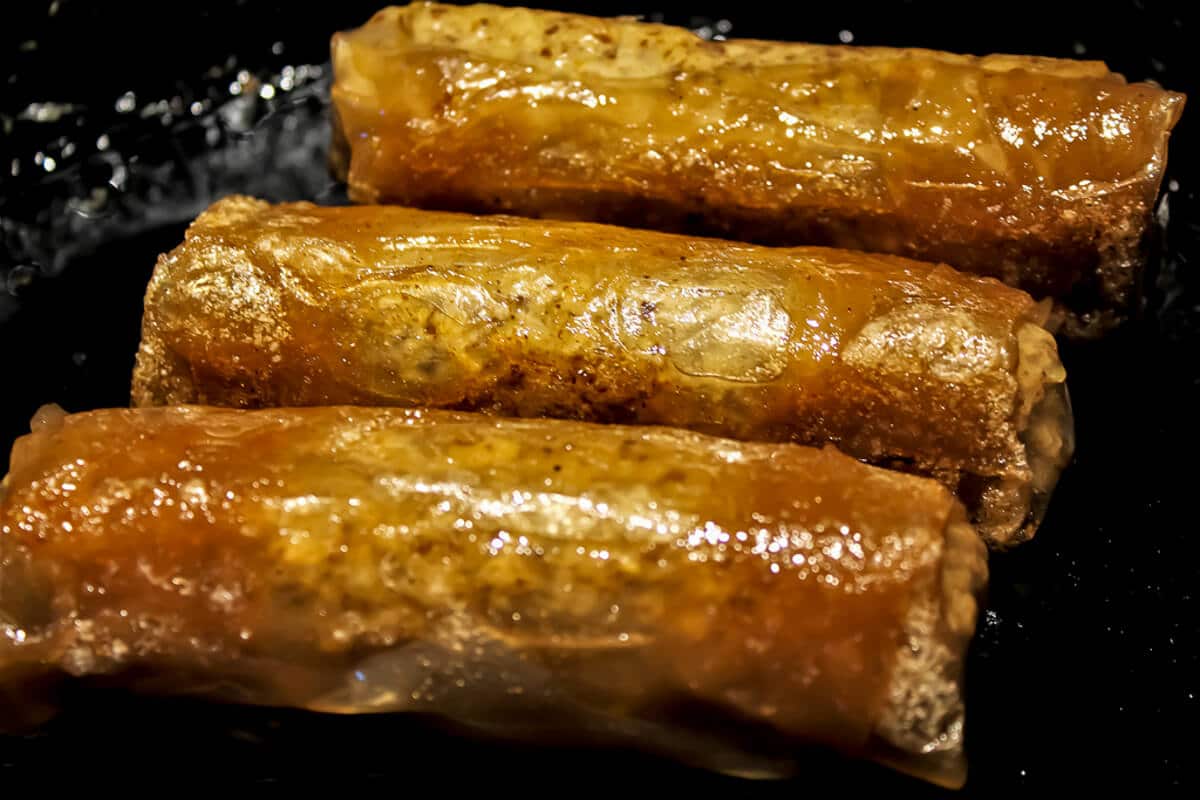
[358, 559]
[898, 362]
[1039, 171]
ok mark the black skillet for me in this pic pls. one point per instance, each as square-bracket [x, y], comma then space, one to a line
[120, 123]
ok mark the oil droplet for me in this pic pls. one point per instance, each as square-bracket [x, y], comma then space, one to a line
[119, 174]
[19, 277]
[46, 112]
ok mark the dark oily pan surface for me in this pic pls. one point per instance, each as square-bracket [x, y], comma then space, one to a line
[1087, 667]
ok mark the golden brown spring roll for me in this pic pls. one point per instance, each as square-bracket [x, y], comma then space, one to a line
[495, 571]
[1041, 172]
[897, 362]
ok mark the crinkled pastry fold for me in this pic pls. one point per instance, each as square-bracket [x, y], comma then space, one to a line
[1039, 171]
[898, 362]
[517, 575]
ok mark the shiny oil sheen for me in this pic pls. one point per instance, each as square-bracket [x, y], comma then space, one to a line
[895, 361]
[1086, 663]
[598, 570]
[1039, 171]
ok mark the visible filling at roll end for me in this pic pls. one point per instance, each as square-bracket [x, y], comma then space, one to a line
[921, 731]
[1010, 508]
[1048, 432]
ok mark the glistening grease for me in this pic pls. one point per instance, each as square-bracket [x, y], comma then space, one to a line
[1038, 171]
[511, 574]
[896, 361]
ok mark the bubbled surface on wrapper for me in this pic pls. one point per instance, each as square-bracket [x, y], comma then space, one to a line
[356, 559]
[895, 361]
[1039, 171]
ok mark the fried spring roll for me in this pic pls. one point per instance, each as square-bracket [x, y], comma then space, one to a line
[898, 362]
[355, 559]
[1039, 171]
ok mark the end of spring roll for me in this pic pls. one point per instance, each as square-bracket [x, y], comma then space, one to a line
[897, 362]
[515, 575]
[1039, 171]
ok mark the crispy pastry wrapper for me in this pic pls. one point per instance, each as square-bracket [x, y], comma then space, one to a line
[522, 576]
[1039, 171]
[897, 362]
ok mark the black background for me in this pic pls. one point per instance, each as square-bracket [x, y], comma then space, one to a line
[1086, 670]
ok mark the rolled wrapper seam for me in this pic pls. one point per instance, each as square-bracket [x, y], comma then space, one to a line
[520, 576]
[1039, 171]
[895, 361]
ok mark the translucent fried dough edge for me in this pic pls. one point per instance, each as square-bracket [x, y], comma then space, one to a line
[925, 713]
[1086, 251]
[912, 719]
[1009, 509]
[1006, 507]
